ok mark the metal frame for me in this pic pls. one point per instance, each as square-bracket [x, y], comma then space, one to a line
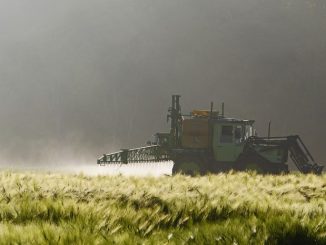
[299, 153]
[153, 153]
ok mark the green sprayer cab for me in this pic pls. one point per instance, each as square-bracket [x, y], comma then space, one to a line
[208, 141]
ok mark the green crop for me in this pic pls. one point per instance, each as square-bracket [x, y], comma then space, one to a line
[232, 208]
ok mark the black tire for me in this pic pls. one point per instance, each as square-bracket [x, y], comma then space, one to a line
[255, 163]
[189, 166]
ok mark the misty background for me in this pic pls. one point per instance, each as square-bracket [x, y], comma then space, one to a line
[81, 78]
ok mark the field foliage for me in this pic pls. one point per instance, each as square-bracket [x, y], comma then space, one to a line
[232, 208]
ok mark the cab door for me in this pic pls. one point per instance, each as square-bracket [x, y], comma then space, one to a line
[224, 143]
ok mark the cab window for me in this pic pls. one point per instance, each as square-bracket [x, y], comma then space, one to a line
[227, 134]
[249, 131]
[238, 132]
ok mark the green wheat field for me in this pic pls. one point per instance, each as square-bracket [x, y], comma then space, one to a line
[232, 208]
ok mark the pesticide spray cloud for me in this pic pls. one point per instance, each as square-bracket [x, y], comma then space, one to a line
[81, 78]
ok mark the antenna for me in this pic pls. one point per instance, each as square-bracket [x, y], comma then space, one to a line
[212, 105]
[269, 129]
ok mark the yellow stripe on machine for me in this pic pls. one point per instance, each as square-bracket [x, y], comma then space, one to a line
[200, 113]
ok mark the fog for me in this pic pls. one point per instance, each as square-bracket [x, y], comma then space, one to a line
[82, 78]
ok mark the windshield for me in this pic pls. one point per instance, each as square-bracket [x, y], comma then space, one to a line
[238, 134]
[248, 131]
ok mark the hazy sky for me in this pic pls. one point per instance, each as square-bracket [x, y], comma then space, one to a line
[79, 78]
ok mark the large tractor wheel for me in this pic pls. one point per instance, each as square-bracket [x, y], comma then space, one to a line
[254, 163]
[250, 163]
[188, 166]
[258, 168]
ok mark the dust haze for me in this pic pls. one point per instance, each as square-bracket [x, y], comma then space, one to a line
[82, 78]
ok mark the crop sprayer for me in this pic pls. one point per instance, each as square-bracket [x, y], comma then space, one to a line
[206, 141]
